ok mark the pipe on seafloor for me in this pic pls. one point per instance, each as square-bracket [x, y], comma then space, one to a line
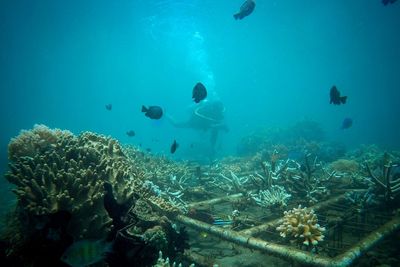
[265, 226]
[293, 254]
[215, 200]
[287, 253]
[355, 252]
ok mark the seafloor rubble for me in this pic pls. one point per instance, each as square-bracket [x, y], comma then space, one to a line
[72, 188]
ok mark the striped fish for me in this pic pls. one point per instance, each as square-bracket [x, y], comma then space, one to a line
[221, 222]
[85, 252]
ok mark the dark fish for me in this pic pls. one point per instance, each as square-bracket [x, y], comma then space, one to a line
[199, 92]
[109, 106]
[385, 2]
[153, 112]
[148, 149]
[245, 10]
[174, 146]
[130, 133]
[347, 123]
[336, 99]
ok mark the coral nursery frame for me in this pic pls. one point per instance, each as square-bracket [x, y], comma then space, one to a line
[246, 237]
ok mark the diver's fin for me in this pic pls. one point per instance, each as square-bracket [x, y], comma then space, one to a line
[343, 99]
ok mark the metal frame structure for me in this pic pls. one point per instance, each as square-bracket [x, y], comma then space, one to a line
[246, 237]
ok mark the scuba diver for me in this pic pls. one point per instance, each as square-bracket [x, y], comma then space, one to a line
[208, 115]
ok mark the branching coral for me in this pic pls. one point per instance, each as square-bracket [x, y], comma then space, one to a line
[276, 196]
[165, 262]
[302, 224]
[388, 184]
[233, 184]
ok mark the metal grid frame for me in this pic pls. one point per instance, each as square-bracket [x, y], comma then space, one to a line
[248, 237]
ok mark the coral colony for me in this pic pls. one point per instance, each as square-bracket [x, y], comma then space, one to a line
[302, 225]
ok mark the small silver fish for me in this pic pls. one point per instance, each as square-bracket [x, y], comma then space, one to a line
[85, 252]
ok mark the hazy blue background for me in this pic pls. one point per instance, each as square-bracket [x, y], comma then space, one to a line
[62, 61]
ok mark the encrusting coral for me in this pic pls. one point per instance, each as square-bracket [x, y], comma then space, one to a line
[302, 224]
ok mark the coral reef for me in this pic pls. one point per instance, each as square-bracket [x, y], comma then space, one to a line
[302, 225]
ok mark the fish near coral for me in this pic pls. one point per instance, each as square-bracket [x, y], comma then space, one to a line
[85, 252]
[245, 10]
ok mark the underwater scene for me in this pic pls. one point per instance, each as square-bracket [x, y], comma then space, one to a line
[230, 133]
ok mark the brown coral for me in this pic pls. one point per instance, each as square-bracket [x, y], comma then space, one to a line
[302, 224]
[345, 166]
[55, 170]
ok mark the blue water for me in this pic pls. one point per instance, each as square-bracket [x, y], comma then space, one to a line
[61, 62]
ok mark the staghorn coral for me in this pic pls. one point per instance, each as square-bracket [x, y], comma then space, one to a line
[276, 196]
[302, 224]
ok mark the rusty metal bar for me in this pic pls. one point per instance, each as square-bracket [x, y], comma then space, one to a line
[285, 252]
[293, 254]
